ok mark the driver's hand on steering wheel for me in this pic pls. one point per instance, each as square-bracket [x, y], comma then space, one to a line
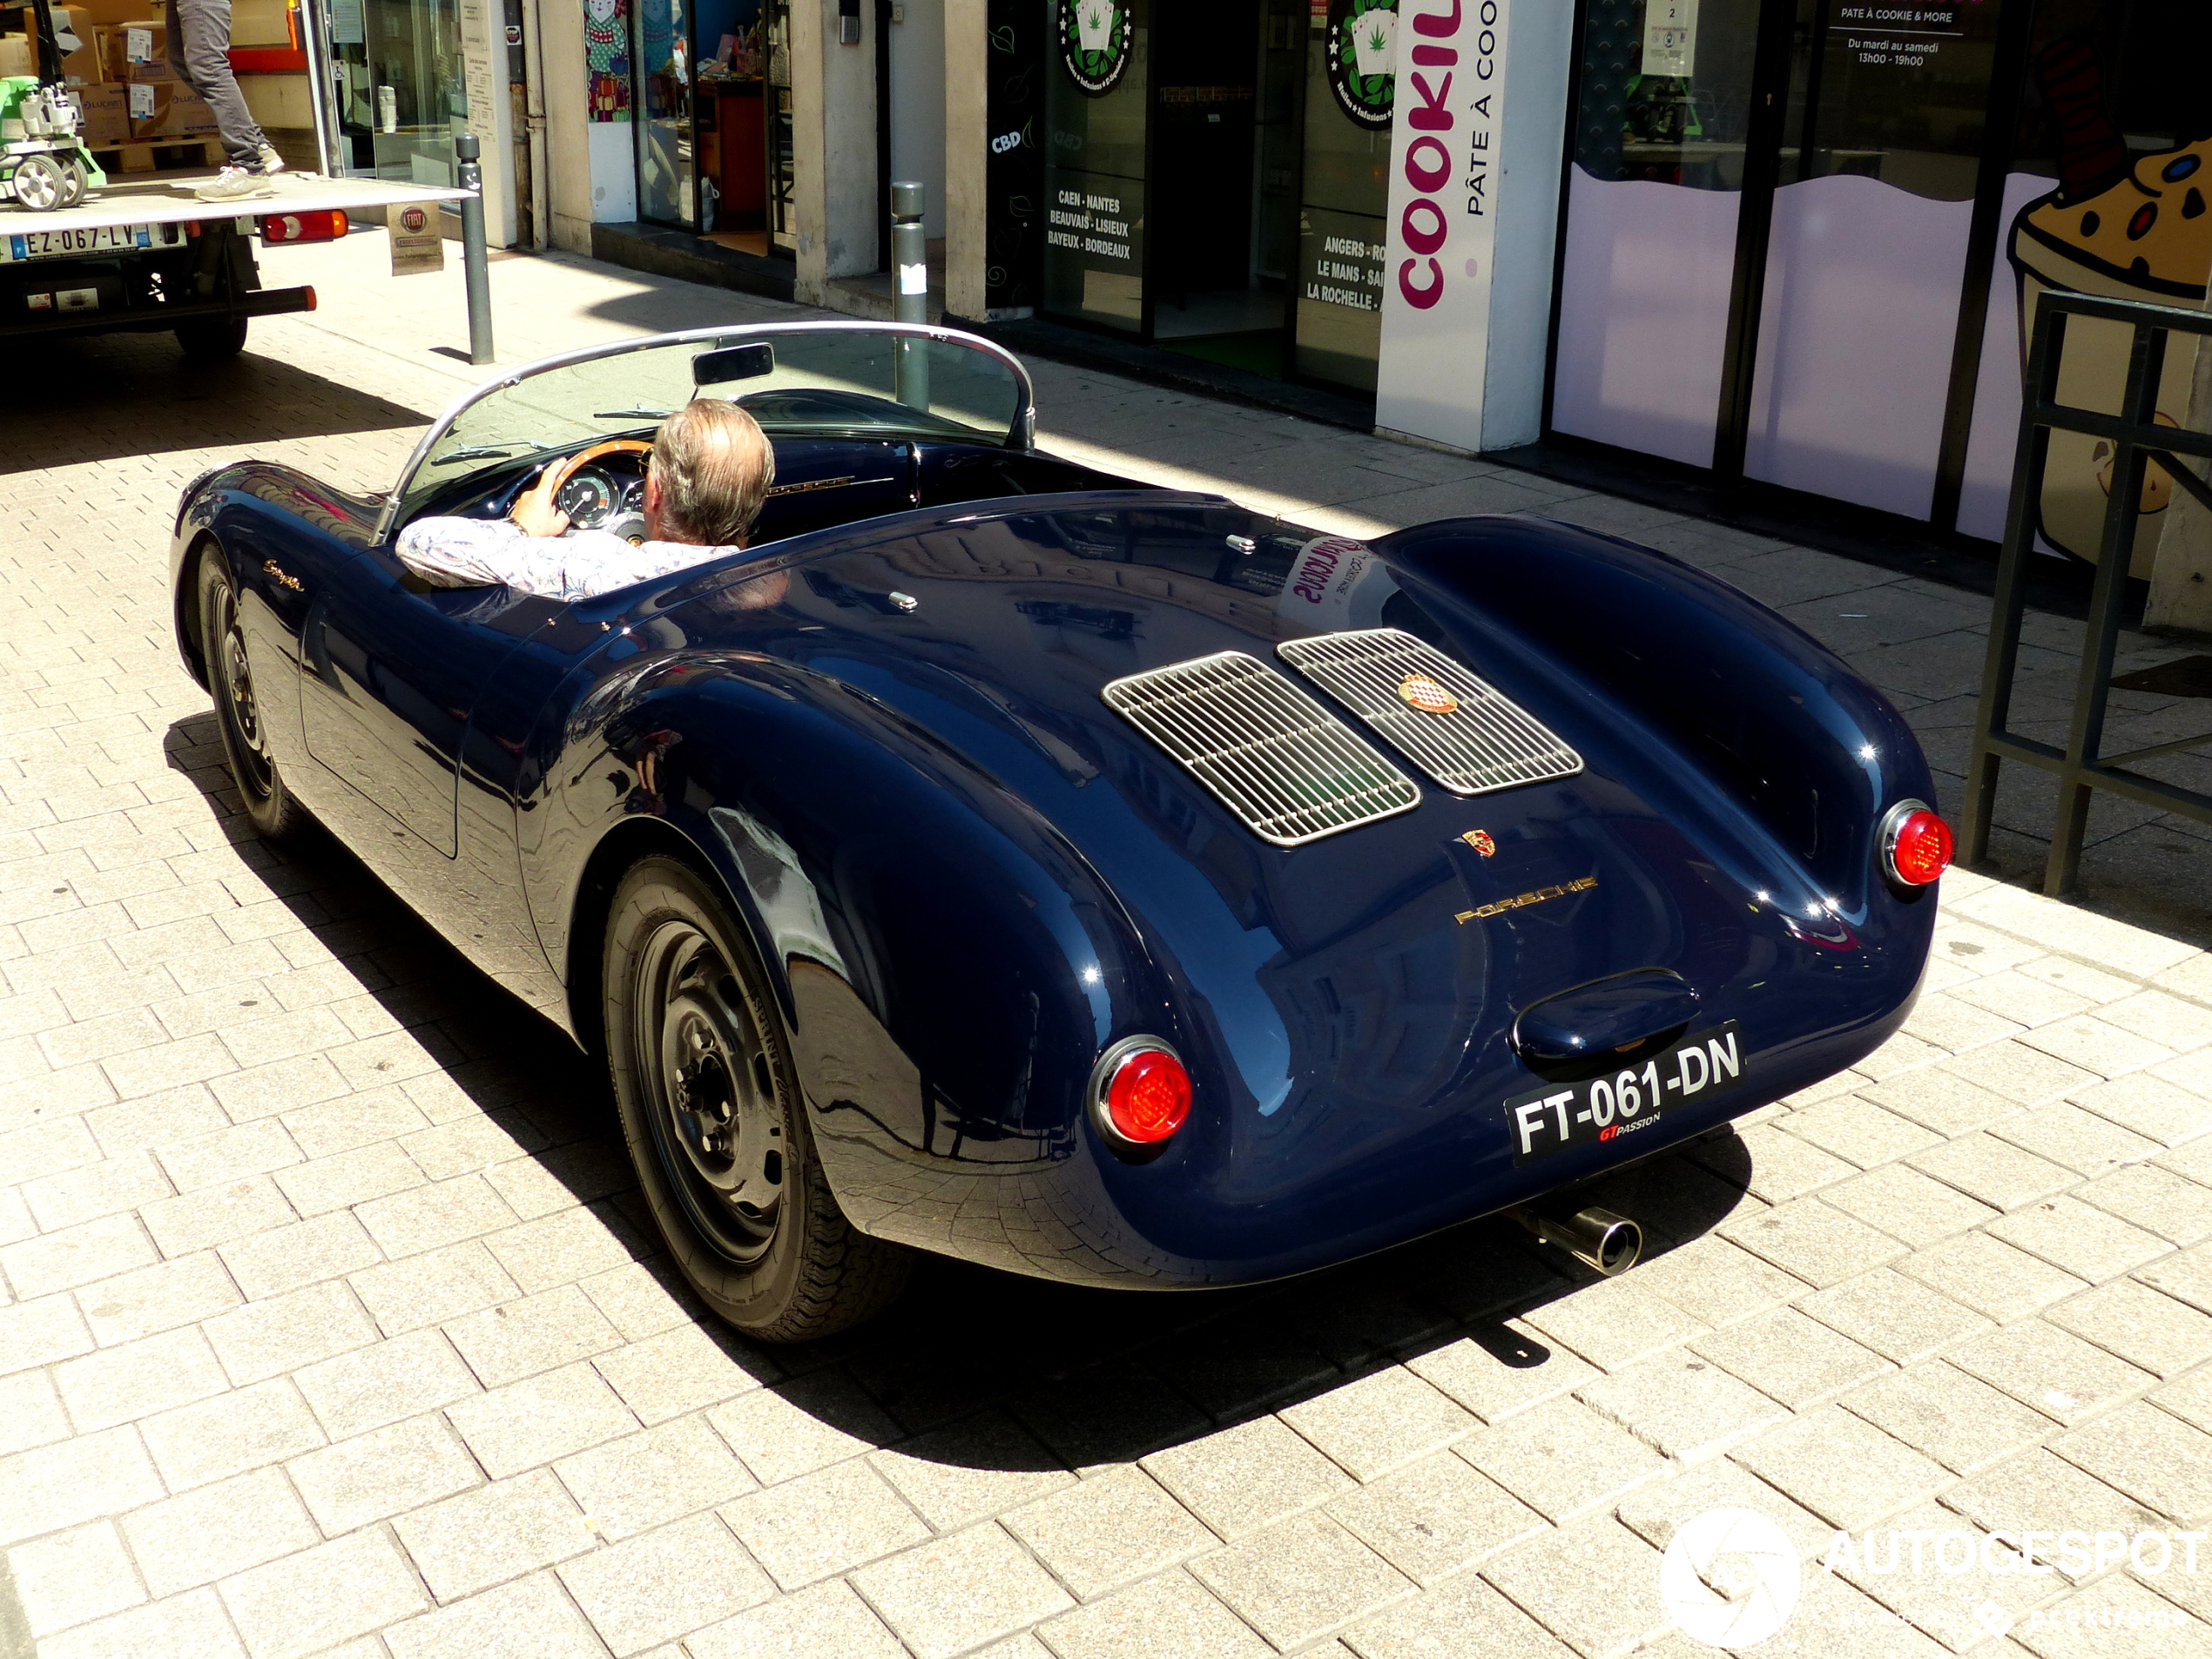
[534, 512]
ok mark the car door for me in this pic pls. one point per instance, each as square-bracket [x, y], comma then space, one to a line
[389, 670]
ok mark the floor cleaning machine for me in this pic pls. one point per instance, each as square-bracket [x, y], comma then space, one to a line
[43, 162]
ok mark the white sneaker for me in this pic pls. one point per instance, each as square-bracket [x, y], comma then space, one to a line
[234, 184]
[272, 163]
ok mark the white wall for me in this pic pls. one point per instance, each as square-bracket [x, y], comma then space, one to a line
[967, 155]
[917, 101]
[832, 147]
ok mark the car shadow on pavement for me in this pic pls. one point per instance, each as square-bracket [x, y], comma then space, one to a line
[974, 1368]
[114, 397]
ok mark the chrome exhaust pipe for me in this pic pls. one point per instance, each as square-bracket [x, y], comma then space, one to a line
[1605, 1243]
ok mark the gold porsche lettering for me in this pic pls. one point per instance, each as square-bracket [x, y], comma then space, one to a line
[1582, 885]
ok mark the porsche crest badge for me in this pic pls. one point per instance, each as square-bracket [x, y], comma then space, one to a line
[1429, 696]
[1481, 842]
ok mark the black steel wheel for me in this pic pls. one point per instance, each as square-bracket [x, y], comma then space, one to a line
[269, 806]
[212, 339]
[713, 1115]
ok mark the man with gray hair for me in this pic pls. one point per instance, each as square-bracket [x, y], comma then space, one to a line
[710, 470]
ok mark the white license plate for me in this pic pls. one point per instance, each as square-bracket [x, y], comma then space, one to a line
[79, 239]
[1547, 1120]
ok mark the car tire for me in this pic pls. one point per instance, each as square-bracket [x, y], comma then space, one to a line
[716, 1121]
[269, 806]
[212, 339]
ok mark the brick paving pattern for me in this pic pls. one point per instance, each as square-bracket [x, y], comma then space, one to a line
[330, 1322]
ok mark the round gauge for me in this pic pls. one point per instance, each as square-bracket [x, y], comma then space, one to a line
[587, 498]
[633, 494]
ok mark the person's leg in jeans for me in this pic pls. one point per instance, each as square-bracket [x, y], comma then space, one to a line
[200, 50]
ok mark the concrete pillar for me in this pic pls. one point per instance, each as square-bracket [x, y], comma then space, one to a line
[484, 62]
[967, 140]
[568, 135]
[833, 130]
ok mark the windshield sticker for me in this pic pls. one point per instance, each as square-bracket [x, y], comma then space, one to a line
[1335, 582]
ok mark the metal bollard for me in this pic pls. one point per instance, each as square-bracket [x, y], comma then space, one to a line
[910, 268]
[474, 264]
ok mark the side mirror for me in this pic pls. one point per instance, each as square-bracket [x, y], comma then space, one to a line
[733, 363]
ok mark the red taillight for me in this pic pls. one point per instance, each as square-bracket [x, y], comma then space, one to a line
[1916, 844]
[323, 225]
[1142, 1092]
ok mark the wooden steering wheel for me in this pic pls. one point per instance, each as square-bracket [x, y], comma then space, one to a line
[557, 473]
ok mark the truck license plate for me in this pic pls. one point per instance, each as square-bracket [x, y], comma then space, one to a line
[1547, 1121]
[77, 240]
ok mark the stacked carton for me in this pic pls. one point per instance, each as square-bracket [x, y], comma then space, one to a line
[125, 90]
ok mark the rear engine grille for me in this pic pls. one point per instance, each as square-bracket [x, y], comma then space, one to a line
[1290, 770]
[1471, 739]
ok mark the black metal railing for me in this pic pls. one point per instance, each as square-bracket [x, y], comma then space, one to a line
[2082, 766]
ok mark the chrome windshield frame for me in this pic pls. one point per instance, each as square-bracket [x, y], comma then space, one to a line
[1022, 434]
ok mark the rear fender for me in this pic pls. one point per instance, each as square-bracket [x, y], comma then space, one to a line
[946, 963]
[1776, 720]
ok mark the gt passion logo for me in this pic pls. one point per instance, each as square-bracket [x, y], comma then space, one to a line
[1362, 55]
[1096, 38]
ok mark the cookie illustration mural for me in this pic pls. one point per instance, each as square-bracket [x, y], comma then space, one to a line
[2121, 229]
[606, 57]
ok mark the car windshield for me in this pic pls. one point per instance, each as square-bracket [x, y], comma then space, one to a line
[797, 381]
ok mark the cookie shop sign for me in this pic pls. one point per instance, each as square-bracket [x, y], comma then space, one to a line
[1443, 215]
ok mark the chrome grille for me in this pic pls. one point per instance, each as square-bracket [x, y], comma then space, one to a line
[1487, 742]
[1288, 769]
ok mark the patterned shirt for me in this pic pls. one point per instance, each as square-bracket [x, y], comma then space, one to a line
[482, 552]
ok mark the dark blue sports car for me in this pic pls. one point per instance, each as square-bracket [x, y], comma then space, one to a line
[1092, 881]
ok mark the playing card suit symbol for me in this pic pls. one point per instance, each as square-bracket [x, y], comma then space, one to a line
[1428, 695]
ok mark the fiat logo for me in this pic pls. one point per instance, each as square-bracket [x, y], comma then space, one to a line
[1428, 695]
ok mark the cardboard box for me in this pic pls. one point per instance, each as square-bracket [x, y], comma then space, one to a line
[262, 23]
[18, 56]
[81, 66]
[103, 113]
[134, 51]
[166, 109]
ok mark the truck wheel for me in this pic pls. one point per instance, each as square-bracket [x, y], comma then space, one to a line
[212, 339]
[717, 1125]
[269, 806]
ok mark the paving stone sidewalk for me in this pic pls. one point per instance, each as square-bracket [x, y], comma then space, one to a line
[330, 1323]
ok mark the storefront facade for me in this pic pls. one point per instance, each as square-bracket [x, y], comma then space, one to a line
[1780, 243]
[1799, 238]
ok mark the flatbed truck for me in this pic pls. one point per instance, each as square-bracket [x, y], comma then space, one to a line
[147, 256]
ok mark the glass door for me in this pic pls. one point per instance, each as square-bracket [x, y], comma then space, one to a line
[396, 80]
[666, 152]
[1866, 256]
[1654, 186]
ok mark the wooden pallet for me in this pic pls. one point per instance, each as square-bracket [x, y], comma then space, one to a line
[160, 155]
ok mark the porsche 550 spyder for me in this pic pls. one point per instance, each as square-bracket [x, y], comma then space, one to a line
[1103, 882]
